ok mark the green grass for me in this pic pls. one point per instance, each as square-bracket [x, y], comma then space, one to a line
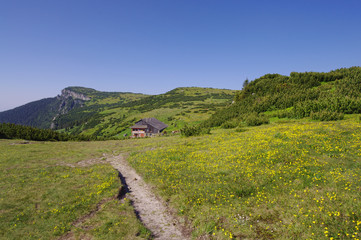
[114, 221]
[296, 179]
[44, 190]
[291, 180]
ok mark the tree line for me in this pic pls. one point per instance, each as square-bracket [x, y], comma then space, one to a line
[13, 131]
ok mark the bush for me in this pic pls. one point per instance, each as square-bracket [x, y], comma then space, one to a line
[254, 119]
[230, 124]
[326, 115]
[284, 114]
[194, 131]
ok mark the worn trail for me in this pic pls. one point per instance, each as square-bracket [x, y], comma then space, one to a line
[152, 211]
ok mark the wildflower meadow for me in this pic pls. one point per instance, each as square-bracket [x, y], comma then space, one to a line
[287, 180]
[292, 179]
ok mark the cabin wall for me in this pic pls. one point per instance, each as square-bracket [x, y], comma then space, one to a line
[138, 133]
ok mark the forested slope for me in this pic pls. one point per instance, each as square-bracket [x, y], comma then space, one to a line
[323, 96]
[36, 114]
[13, 131]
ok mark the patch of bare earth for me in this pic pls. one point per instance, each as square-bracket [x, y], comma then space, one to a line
[21, 143]
[151, 210]
[83, 163]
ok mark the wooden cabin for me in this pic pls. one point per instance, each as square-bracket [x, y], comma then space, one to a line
[148, 127]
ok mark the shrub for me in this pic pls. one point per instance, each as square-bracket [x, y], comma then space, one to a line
[254, 119]
[284, 114]
[327, 115]
[194, 131]
[230, 124]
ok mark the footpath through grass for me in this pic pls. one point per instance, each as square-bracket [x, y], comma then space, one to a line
[48, 189]
[281, 181]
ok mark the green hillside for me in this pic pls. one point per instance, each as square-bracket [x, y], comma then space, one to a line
[111, 114]
[35, 114]
[321, 96]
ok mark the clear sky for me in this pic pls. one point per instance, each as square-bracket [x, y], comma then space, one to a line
[153, 46]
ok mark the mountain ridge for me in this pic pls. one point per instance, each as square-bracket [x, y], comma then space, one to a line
[315, 95]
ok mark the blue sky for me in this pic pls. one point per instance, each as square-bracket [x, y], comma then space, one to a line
[153, 46]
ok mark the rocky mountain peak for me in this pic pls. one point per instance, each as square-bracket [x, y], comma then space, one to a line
[68, 100]
[67, 93]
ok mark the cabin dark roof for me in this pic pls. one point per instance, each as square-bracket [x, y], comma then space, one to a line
[153, 122]
[139, 126]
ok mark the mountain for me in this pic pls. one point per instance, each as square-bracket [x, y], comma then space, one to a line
[91, 112]
[35, 114]
[43, 113]
[320, 96]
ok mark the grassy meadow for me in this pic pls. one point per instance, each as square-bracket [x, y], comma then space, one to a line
[286, 180]
[296, 179]
[49, 188]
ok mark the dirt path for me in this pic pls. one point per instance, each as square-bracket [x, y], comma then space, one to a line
[152, 212]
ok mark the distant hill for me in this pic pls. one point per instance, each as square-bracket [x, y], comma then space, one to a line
[35, 114]
[43, 113]
[95, 113]
[321, 96]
